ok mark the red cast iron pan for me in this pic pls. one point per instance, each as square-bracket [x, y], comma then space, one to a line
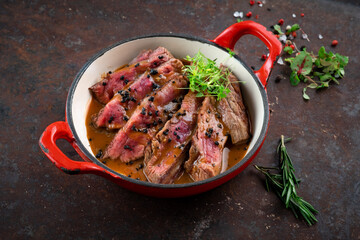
[254, 93]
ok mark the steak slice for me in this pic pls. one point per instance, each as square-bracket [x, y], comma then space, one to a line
[129, 143]
[205, 155]
[104, 90]
[116, 112]
[143, 55]
[166, 154]
[233, 112]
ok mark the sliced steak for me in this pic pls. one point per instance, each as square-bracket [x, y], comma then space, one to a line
[143, 55]
[116, 112]
[104, 90]
[129, 143]
[165, 156]
[233, 112]
[205, 155]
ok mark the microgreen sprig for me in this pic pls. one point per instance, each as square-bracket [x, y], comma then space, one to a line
[206, 78]
[283, 183]
[318, 71]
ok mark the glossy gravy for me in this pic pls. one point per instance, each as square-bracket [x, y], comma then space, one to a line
[99, 138]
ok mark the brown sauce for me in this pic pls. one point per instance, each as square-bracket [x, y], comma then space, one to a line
[99, 138]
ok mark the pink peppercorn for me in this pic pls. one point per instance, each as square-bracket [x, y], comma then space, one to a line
[281, 22]
[334, 43]
[252, 2]
[249, 14]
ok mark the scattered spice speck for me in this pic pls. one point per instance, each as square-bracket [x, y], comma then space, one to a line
[294, 15]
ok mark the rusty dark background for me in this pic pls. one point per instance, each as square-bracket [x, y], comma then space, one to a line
[43, 44]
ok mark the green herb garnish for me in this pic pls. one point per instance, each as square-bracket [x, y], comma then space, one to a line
[318, 71]
[293, 28]
[288, 50]
[206, 78]
[283, 183]
[277, 28]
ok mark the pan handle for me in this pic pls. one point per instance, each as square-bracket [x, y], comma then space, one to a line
[232, 34]
[47, 142]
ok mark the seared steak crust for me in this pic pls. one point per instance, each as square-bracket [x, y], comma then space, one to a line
[165, 156]
[207, 143]
[233, 112]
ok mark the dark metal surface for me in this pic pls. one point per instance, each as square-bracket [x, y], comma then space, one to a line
[43, 45]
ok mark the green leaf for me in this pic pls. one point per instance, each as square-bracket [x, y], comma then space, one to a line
[343, 60]
[294, 78]
[302, 64]
[325, 63]
[278, 29]
[289, 60]
[231, 53]
[312, 85]
[288, 49]
[325, 77]
[305, 96]
[322, 52]
[293, 28]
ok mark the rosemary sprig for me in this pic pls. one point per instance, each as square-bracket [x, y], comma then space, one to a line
[283, 184]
